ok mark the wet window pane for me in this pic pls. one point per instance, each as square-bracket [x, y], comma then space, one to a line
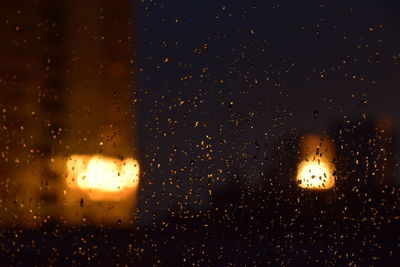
[199, 133]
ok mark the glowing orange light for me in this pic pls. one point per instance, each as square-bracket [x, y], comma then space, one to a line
[317, 174]
[103, 178]
[316, 170]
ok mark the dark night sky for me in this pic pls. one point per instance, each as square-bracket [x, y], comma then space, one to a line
[246, 72]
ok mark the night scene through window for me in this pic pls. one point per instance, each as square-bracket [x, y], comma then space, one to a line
[199, 133]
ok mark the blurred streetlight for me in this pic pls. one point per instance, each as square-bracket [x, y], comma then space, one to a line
[316, 169]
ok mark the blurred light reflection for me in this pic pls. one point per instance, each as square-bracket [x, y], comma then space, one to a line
[316, 170]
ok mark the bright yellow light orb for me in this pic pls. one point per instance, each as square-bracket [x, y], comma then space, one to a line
[316, 170]
[108, 175]
[102, 177]
[315, 174]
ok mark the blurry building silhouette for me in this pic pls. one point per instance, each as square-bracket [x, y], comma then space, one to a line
[65, 91]
[366, 150]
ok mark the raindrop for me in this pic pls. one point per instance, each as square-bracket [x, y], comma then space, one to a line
[316, 114]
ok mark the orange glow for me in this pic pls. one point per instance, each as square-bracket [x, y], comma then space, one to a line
[316, 174]
[316, 170]
[98, 189]
[103, 178]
